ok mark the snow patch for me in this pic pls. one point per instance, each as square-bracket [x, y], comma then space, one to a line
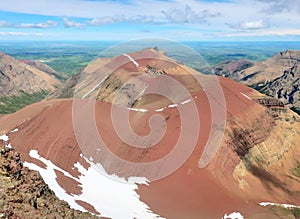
[173, 105]
[186, 101]
[138, 110]
[9, 146]
[246, 96]
[94, 88]
[233, 215]
[50, 176]
[15, 130]
[280, 205]
[104, 192]
[4, 137]
[131, 59]
[160, 110]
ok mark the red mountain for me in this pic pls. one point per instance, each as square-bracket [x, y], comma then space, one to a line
[195, 153]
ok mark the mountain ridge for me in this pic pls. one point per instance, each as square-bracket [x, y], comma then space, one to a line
[277, 77]
[17, 76]
[235, 179]
[24, 82]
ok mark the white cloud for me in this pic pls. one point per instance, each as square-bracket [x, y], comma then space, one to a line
[105, 20]
[280, 6]
[176, 16]
[10, 33]
[204, 17]
[188, 15]
[119, 19]
[252, 25]
[4, 24]
[42, 25]
[68, 23]
[142, 19]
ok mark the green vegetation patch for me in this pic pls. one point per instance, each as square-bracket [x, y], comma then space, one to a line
[14, 103]
[296, 212]
[69, 65]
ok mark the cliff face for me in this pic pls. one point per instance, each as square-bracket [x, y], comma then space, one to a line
[269, 70]
[264, 154]
[277, 77]
[16, 76]
[273, 161]
[286, 87]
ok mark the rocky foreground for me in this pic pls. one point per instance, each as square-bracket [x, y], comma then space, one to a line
[24, 194]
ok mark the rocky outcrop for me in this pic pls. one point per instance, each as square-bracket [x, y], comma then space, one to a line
[277, 77]
[286, 87]
[24, 194]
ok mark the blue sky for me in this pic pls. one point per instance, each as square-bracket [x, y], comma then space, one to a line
[198, 20]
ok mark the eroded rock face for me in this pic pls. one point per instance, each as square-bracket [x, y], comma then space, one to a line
[265, 154]
[16, 76]
[286, 87]
[45, 68]
[278, 77]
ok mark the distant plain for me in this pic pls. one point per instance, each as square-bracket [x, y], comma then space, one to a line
[71, 56]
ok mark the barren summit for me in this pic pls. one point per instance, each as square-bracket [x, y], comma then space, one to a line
[254, 162]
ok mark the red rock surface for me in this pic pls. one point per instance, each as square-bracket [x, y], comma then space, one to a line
[190, 191]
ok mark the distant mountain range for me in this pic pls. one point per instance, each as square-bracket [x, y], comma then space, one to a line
[16, 76]
[277, 77]
[24, 81]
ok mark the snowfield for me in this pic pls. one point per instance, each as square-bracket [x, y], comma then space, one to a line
[110, 195]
